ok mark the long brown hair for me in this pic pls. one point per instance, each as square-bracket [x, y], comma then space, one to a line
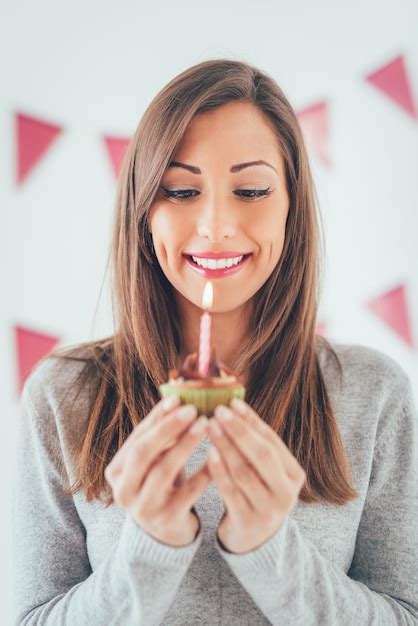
[281, 351]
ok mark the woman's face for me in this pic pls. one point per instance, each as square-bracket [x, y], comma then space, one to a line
[217, 207]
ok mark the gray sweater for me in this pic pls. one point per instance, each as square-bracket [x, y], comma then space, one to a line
[79, 563]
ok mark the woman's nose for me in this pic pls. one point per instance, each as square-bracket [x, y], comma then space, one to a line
[216, 221]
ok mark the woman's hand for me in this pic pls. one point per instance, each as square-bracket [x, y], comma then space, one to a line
[147, 476]
[256, 474]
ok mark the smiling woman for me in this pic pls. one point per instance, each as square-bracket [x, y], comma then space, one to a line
[312, 514]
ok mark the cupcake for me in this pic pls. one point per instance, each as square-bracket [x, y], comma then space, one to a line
[219, 386]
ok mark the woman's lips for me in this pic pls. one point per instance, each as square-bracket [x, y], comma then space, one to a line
[219, 272]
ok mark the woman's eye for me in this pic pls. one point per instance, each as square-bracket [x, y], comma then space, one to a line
[178, 194]
[253, 193]
[247, 194]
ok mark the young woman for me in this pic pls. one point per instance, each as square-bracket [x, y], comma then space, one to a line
[124, 513]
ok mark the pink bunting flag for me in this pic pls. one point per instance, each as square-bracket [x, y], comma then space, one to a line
[391, 307]
[116, 148]
[392, 80]
[314, 121]
[33, 138]
[321, 328]
[31, 346]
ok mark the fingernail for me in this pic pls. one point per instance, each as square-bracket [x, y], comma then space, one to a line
[170, 402]
[186, 412]
[238, 404]
[223, 413]
[199, 425]
[215, 456]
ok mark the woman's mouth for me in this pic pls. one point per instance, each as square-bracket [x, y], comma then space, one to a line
[216, 272]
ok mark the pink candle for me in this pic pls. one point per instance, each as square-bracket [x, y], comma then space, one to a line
[205, 326]
[204, 343]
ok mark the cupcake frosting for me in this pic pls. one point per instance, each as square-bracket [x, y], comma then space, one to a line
[218, 372]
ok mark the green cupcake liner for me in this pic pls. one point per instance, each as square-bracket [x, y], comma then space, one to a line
[205, 400]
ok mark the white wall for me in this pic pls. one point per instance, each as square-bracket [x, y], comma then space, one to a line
[94, 67]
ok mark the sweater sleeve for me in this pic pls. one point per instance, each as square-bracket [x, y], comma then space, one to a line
[293, 583]
[53, 580]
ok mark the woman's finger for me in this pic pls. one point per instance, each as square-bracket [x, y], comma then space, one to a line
[269, 455]
[146, 449]
[163, 409]
[244, 475]
[162, 475]
[159, 410]
[235, 501]
[187, 493]
[258, 451]
[253, 420]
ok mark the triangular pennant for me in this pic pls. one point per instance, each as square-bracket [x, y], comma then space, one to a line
[392, 79]
[33, 138]
[31, 346]
[314, 121]
[321, 328]
[392, 308]
[116, 148]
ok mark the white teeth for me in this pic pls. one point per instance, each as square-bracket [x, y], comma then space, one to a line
[214, 264]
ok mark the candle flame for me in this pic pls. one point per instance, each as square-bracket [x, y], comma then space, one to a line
[207, 298]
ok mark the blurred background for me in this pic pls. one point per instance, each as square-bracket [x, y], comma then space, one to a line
[77, 78]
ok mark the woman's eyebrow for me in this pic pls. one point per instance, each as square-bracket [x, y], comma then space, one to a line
[234, 168]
